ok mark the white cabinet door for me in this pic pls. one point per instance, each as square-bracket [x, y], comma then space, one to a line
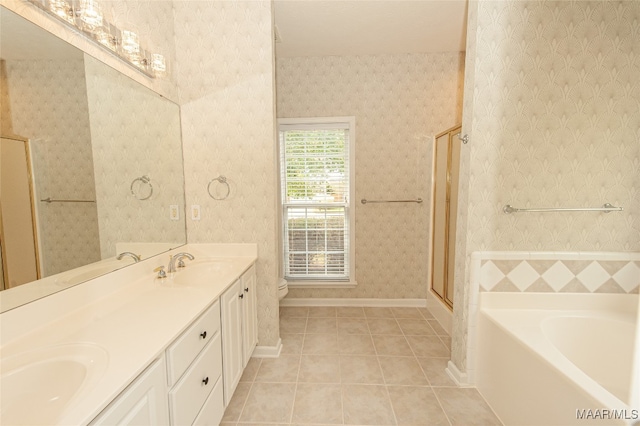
[249, 314]
[144, 402]
[231, 312]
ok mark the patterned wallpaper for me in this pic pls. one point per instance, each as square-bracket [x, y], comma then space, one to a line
[152, 20]
[227, 96]
[554, 121]
[47, 100]
[400, 102]
[134, 132]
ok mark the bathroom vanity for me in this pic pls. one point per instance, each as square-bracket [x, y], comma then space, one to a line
[139, 349]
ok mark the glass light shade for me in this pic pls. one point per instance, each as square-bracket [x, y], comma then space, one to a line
[62, 9]
[108, 36]
[130, 43]
[106, 39]
[158, 64]
[90, 15]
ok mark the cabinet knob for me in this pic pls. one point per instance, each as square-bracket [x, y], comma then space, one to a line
[241, 296]
[205, 381]
[203, 334]
[246, 290]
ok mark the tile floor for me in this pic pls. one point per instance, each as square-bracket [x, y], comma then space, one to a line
[356, 366]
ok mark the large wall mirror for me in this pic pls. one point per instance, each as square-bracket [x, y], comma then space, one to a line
[91, 170]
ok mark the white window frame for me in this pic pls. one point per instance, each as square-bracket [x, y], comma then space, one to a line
[349, 208]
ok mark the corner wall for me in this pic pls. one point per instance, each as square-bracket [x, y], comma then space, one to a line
[552, 109]
[225, 71]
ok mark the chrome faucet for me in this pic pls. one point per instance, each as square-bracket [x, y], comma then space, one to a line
[135, 257]
[178, 257]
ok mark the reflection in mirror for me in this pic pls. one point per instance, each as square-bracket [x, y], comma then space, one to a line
[90, 166]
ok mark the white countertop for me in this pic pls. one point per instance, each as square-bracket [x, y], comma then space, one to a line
[129, 313]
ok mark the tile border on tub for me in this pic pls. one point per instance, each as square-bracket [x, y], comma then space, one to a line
[561, 272]
[543, 261]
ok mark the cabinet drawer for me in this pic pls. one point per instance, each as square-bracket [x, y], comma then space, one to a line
[186, 347]
[191, 391]
[213, 410]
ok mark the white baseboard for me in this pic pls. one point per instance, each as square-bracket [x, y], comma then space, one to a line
[440, 312]
[268, 351]
[459, 378]
[373, 303]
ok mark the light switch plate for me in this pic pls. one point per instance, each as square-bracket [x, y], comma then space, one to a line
[195, 212]
[174, 212]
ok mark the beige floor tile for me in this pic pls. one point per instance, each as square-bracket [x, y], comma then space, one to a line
[318, 404]
[355, 344]
[446, 340]
[352, 326]
[366, 405]
[291, 343]
[320, 344]
[378, 313]
[384, 326]
[392, 345]
[425, 313]
[434, 370]
[294, 312]
[364, 369]
[269, 402]
[428, 346]
[234, 409]
[319, 369]
[416, 406]
[281, 369]
[322, 311]
[257, 424]
[293, 325]
[401, 370]
[438, 328]
[322, 325]
[350, 312]
[407, 313]
[417, 327]
[250, 371]
[465, 407]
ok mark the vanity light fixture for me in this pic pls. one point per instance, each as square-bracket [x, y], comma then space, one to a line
[87, 16]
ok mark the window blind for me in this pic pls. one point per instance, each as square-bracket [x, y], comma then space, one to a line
[315, 200]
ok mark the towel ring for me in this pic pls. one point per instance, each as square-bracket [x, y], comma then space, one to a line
[223, 180]
[144, 180]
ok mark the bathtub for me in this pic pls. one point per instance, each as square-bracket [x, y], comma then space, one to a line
[557, 359]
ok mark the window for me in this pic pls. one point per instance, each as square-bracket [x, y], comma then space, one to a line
[316, 176]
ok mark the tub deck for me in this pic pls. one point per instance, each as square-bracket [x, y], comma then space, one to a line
[542, 357]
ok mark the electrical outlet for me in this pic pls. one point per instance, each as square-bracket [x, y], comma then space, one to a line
[174, 212]
[195, 212]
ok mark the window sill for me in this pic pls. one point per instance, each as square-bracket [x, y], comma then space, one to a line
[321, 284]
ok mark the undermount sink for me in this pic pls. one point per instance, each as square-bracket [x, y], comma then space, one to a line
[196, 272]
[37, 386]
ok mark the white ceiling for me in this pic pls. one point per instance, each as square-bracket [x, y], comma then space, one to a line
[22, 40]
[367, 27]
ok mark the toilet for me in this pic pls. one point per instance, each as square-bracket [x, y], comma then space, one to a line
[283, 289]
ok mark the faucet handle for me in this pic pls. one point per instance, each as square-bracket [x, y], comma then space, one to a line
[160, 271]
